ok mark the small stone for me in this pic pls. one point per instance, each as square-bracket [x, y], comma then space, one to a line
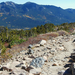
[60, 45]
[53, 41]
[23, 67]
[45, 58]
[73, 40]
[59, 42]
[61, 48]
[51, 60]
[31, 56]
[19, 65]
[53, 51]
[48, 47]
[37, 45]
[23, 58]
[30, 46]
[28, 68]
[55, 64]
[30, 51]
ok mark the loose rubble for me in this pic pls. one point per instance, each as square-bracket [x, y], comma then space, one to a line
[44, 58]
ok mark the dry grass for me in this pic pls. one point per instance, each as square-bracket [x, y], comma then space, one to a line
[53, 34]
[62, 32]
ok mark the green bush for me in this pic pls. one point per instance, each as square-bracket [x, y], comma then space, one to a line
[20, 41]
[3, 50]
[16, 42]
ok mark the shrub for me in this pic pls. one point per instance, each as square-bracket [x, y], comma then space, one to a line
[63, 32]
[53, 34]
[16, 42]
[3, 50]
[20, 41]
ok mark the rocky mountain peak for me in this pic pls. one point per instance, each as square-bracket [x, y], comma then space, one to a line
[10, 3]
[30, 3]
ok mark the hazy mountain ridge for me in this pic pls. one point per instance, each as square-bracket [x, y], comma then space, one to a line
[31, 14]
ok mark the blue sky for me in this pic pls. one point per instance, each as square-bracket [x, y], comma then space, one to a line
[59, 3]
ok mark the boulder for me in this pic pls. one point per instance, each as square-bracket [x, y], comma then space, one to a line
[37, 62]
[42, 42]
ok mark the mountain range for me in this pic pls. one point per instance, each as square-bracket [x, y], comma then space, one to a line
[30, 15]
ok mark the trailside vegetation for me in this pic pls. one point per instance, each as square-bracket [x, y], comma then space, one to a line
[16, 36]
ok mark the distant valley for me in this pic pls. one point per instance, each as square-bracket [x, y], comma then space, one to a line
[30, 15]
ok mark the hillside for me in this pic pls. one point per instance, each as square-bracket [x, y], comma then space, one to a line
[42, 50]
[48, 57]
[31, 14]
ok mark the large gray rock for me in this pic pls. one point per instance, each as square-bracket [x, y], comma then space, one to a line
[37, 62]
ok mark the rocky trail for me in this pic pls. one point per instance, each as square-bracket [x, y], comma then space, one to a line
[48, 57]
